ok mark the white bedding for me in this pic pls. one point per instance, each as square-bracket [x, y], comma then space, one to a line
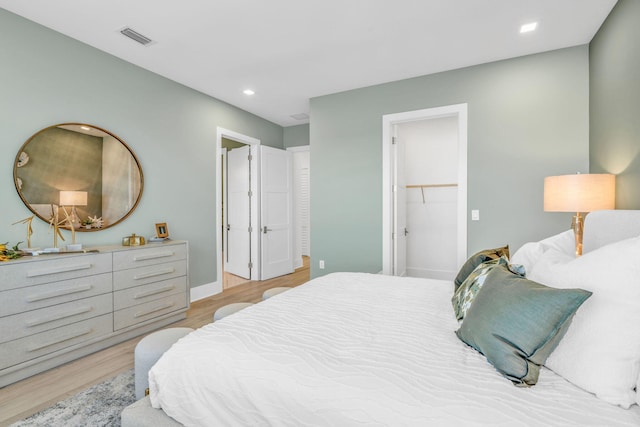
[357, 349]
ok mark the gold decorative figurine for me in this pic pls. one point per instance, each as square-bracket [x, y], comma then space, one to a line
[27, 221]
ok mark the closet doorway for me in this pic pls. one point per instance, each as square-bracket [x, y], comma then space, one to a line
[424, 192]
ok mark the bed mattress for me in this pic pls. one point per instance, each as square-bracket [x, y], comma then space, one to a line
[352, 349]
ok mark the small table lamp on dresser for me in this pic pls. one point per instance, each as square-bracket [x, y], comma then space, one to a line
[579, 193]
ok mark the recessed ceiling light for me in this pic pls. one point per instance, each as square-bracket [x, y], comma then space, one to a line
[526, 28]
[248, 92]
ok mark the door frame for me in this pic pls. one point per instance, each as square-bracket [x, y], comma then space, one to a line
[255, 200]
[388, 167]
[297, 256]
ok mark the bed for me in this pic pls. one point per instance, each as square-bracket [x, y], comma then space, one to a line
[363, 349]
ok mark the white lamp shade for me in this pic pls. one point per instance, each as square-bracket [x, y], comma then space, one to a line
[73, 198]
[579, 193]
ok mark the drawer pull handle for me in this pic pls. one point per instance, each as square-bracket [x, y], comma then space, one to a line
[65, 269]
[53, 318]
[62, 339]
[153, 310]
[58, 293]
[154, 273]
[154, 292]
[154, 256]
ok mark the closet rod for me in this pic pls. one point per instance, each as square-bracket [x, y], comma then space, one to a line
[423, 186]
[431, 185]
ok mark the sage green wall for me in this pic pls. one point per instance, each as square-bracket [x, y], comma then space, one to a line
[296, 136]
[615, 101]
[47, 78]
[528, 118]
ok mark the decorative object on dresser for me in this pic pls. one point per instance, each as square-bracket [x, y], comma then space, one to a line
[579, 193]
[28, 220]
[133, 240]
[60, 307]
[162, 233]
[80, 166]
[161, 230]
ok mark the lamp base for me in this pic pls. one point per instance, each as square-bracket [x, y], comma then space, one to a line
[578, 228]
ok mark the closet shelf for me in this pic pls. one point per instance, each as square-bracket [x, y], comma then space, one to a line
[423, 186]
[431, 185]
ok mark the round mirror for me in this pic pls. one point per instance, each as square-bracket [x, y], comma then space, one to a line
[80, 169]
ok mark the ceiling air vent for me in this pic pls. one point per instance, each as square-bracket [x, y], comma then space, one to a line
[136, 36]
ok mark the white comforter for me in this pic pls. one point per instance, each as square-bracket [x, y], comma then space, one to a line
[352, 349]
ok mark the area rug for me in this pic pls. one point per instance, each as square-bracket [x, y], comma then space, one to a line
[99, 405]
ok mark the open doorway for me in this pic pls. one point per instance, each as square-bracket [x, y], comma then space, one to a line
[249, 249]
[265, 198]
[447, 188]
[236, 213]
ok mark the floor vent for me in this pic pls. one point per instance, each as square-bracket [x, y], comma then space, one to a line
[136, 36]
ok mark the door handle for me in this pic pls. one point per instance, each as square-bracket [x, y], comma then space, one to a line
[228, 227]
[265, 229]
[406, 232]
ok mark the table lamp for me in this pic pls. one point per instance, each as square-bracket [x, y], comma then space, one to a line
[73, 199]
[579, 193]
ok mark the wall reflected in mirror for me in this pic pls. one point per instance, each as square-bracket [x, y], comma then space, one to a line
[81, 168]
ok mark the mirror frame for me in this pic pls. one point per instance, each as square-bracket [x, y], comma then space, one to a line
[80, 229]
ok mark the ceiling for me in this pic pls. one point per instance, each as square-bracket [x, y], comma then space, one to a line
[289, 51]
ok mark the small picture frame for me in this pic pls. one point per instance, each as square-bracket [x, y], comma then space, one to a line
[162, 231]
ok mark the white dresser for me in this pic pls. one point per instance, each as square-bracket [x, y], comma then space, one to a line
[56, 308]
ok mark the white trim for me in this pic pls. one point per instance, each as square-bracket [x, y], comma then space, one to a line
[206, 290]
[255, 202]
[388, 120]
[299, 148]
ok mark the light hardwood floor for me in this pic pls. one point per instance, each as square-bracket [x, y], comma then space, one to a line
[26, 397]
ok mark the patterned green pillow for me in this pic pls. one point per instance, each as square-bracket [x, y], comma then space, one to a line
[464, 295]
[477, 259]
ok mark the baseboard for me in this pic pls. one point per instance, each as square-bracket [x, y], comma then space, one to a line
[206, 290]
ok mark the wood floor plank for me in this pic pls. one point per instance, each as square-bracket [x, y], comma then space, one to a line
[26, 397]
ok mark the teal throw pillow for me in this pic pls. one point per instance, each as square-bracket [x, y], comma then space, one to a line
[516, 323]
[477, 259]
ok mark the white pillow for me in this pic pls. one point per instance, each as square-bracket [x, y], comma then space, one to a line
[529, 254]
[601, 350]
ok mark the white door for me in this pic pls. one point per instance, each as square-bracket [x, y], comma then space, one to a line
[238, 210]
[276, 212]
[301, 199]
[400, 209]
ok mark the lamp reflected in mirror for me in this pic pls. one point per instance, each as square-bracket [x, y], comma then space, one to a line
[72, 199]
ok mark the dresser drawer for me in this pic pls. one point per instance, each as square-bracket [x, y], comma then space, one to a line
[150, 255]
[153, 291]
[24, 349]
[35, 297]
[36, 321]
[149, 310]
[140, 276]
[58, 267]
